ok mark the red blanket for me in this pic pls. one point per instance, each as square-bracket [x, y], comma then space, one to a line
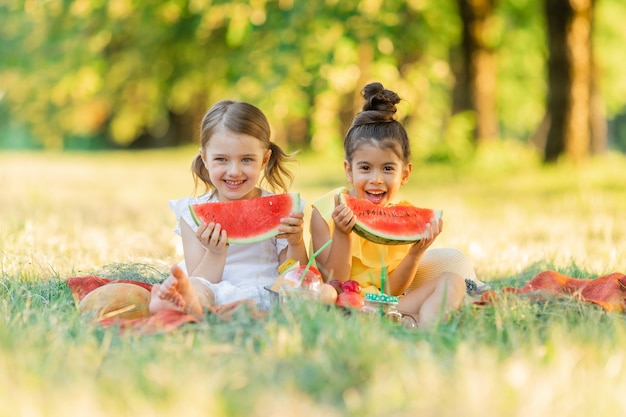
[163, 321]
[608, 291]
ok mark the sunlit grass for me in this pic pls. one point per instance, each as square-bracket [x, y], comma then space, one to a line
[77, 214]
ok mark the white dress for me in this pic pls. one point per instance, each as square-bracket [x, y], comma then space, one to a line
[249, 267]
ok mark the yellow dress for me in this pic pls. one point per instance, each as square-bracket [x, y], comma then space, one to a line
[368, 257]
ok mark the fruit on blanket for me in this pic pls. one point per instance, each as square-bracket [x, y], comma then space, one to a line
[311, 280]
[390, 225]
[250, 220]
[291, 278]
[116, 300]
[328, 294]
[350, 299]
[350, 286]
[336, 285]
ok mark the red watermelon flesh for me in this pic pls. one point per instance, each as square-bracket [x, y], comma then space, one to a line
[250, 220]
[390, 225]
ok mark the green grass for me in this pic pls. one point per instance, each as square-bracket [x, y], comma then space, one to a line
[77, 214]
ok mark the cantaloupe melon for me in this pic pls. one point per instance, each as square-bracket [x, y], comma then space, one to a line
[119, 300]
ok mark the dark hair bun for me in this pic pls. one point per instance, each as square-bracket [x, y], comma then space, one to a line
[379, 107]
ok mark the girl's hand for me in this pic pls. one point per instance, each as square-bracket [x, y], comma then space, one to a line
[433, 229]
[292, 228]
[212, 238]
[343, 217]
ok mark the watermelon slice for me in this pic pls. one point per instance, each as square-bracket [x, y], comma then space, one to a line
[391, 225]
[248, 221]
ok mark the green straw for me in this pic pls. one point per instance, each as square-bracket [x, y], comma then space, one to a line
[383, 279]
[312, 258]
[383, 274]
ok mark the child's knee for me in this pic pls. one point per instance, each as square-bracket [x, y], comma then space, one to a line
[205, 295]
[454, 282]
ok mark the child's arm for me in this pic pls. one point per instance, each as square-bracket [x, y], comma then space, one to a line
[336, 259]
[291, 228]
[403, 275]
[204, 250]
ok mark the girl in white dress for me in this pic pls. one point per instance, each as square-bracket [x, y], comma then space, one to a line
[235, 155]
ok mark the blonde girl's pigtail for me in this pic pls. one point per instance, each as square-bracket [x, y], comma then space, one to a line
[277, 175]
[200, 174]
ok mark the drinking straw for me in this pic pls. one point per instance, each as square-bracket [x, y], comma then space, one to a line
[383, 278]
[383, 274]
[312, 258]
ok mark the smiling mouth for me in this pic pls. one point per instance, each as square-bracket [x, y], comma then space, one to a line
[375, 197]
[233, 183]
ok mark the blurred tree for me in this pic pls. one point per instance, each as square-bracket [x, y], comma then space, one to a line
[573, 116]
[126, 73]
[477, 75]
[142, 73]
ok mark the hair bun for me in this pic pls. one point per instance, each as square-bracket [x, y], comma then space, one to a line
[379, 107]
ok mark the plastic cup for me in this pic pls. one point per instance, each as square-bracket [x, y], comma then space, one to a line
[288, 294]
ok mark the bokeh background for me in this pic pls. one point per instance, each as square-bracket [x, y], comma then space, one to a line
[516, 112]
[129, 74]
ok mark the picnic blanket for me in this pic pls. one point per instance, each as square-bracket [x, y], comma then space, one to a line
[607, 291]
[163, 321]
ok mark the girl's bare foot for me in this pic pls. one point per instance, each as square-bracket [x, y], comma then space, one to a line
[171, 289]
[175, 293]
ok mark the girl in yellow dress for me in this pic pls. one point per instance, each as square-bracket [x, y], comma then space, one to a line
[377, 163]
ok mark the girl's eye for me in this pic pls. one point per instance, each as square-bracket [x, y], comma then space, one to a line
[389, 168]
[219, 159]
[246, 160]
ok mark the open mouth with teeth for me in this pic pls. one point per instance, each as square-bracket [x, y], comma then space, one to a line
[233, 184]
[375, 197]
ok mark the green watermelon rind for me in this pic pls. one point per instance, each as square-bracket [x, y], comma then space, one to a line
[382, 239]
[295, 199]
[362, 230]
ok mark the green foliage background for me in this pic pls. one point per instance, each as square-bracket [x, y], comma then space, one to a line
[94, 73]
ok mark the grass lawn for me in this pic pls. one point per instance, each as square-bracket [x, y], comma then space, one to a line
[78, 214]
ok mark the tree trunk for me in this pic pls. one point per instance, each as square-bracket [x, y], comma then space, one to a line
[558, 16]
[476, 81]
[574, 107]
[598, 122]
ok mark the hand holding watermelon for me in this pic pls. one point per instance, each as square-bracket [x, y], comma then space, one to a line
[343, 216]
[388, 225]
[291, 228]
[433, 230]
[249, 220]
[212, 237]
